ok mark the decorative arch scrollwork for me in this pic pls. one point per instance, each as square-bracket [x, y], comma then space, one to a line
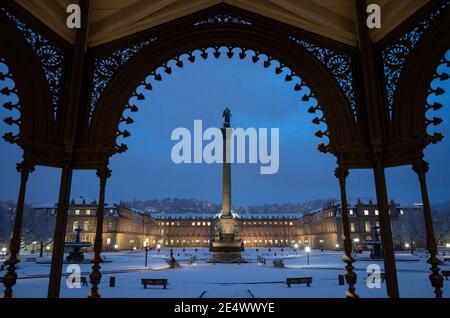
[223, 18]
[230, 52]
[434, 100]
[107, 65]
[51, 57]
[12, 103]
[396, 54]
[340, 65]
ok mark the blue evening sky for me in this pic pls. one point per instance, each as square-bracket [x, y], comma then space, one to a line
[257, 98]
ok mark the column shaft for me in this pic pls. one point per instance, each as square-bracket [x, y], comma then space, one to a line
[386, 231]
[60, 231]
[421, 168]
[96, 275]
[350, 276]
[10, 278]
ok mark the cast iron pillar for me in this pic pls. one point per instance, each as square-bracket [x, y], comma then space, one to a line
[350, 276]
[96, 275]
[10, 278]
[421, 167]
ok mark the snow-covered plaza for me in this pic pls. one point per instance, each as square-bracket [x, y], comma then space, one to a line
[252, 279]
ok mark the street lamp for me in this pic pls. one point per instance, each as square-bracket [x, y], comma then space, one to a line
[116, 247]
[146, 254]
[4, 252]
[48, 249]
[33, 247]
[447, 245]
[159, 248]
[307, 250]
[295, 248]
[337, 246]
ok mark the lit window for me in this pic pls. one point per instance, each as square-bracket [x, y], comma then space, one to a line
[376, 212]
[368, 227]
[108, 241]
[352, 227]
[88, 212]
[193, 223]
[209, 223]
[401, 212]
[199, 223]
[366, 212]
[75, 225]
[77, 212]
[86, 226]
[350, 212]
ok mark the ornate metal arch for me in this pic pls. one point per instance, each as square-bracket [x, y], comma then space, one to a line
[38, 68]
[328, 72]
[409, 120]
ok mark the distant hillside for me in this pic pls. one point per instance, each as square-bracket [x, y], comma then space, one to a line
[175, 205]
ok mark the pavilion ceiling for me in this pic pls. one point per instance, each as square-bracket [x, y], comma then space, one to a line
[113, 19]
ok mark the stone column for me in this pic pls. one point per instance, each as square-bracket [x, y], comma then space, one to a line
[96, 275]
[25, 168]
[226, 174]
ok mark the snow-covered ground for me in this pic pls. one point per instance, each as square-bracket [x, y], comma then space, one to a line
[230, 280]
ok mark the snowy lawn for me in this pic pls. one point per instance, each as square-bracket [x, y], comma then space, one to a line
[231, 281]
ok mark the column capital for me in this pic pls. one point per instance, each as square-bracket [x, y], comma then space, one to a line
[25, 167]
[104, 173]
[421, 167]
[341, 172]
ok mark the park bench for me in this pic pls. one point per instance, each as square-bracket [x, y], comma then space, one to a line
[83, 281]
[299, 281]
[446, 274]
[154, 282]
[382, 276]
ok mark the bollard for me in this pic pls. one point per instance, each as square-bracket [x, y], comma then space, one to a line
[112, 281]
[341, 280]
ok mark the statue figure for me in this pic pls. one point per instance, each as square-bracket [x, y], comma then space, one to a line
[227, 116]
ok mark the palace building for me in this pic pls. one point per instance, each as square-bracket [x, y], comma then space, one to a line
[125, 228]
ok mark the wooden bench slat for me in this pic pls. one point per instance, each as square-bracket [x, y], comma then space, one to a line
[299, 280]
[154, 281]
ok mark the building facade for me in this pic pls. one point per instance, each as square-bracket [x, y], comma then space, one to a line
[127, 228]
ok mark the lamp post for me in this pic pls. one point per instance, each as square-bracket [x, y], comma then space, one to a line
[48, 249]
[33, 247]
[307, 250]
[159, 248]
[4, 252]
[146, 254]
[295, 248]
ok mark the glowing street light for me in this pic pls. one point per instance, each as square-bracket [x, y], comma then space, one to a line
[48, 249]
[407, 245]
[337, 246]
[159, 248]
[116, 247]
[447, 245]
[4, 251]
[295, 248]
[307, 250]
